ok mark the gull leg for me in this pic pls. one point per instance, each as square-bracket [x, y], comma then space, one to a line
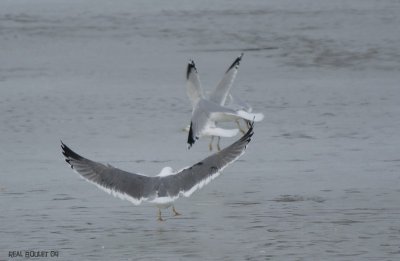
[240, 127]
[210, 144]
[218, 147]
[159, 215]
[176, 213]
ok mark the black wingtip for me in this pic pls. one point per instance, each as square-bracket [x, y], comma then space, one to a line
[191, 139]
[236, 63]
[191, 66]
[247, 136]
[65, 152]
[69, 154]
[64, 148]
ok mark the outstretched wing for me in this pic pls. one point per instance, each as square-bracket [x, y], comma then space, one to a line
[125, 185]
[193, 88]
[190, 179]
[221, 92]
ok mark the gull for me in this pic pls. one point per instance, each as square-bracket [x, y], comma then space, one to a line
[161, 190]
[220, 106]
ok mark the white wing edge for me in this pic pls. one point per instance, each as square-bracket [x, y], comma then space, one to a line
[209, 179]
[219, 95]
[115, 193]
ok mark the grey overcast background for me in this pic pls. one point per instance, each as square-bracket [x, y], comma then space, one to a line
[320, 180]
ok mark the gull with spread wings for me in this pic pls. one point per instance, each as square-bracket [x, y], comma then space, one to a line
[163, 189]
[220, 106]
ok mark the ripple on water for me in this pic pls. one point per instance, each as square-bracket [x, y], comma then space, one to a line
[298, 198]
[345, 222]
[63, 197]
[243, 203]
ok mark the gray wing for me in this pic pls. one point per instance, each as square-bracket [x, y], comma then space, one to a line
[221, 92]
[125, 185]
[190, 179]
[193, 86]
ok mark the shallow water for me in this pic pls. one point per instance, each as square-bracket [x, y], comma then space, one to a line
[319, 181]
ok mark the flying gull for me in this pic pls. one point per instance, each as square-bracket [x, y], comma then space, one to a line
[219, 107]
[163, 189]
[221, 94]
